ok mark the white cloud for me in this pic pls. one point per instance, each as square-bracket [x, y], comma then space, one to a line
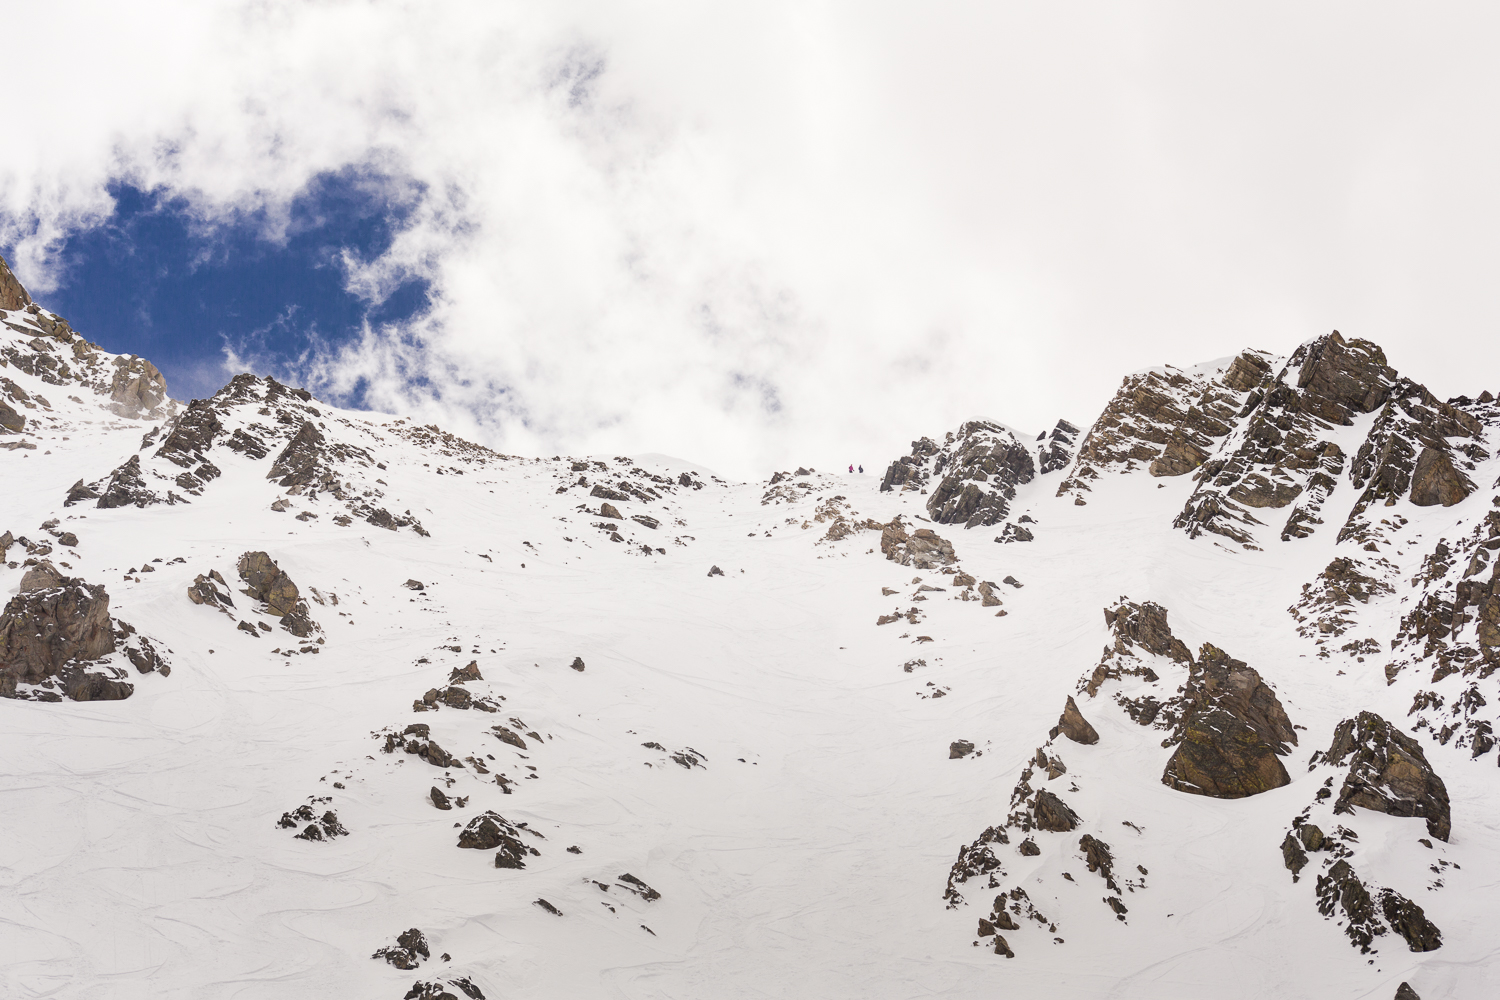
[763, 234]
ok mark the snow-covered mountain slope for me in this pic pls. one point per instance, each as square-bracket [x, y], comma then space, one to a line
[614, 727]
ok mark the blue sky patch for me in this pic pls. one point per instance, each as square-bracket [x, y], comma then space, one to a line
[157, 281]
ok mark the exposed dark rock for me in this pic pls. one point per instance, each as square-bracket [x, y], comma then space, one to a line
[544, 904]
[44, 630]
[489, 831]
[1074, 726]
[1223, 757]
[410, 950]
[610, 512]
[1387, 773]
[440, 799]
[1436, 481]
[1145, 625]
[640, 888]
[189, 437]
[126, 488]
[137, 389]
[466, 673]
[414, 585]
[266, 582]
[977, 469]
[1293, 855]
[715, 571]
[605, 493]
[1405, 992]
[577, 664]
[1218, 681]
[1097, 855]
[1367, 915]
[67, 539]
[325, 827]
[1166, 420]
[959, 748]
[300, 462]
[210, 590]
[12, 293]
[42, 576]
[974, 861]
[10, 420]
[436, 990]
[507, 735]
[921, 549]
[1052, 813]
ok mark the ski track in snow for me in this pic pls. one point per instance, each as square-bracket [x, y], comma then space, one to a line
[143, 859]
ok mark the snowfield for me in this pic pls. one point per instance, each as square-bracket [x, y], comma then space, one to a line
[750, 745]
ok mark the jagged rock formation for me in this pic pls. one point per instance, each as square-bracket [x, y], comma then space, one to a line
[268, 583]
[1074, 726]
[490, 831]
[1167, 420]
[1222, 756]
[1368, 915]
[12, 294]
[1281, 451]
[975, 471]
[409, 951]
[922, 548]
[1327, 605]
[49, 631]
[1387, 772]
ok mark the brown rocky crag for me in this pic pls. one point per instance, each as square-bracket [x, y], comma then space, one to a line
[50, 629]
[1388, 772]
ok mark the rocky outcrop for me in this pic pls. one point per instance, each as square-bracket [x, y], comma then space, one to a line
[1167, 420]
[137, 390]
[972, 476]
[490, 831]
[211, 590]
[1369, 915]
[1387, 772]
[1052, 813]
[1326, 608]
[1145, 625]
[48, 631]
[324, 827]
[1280, 450]
[1218, 681]
[11, 422]
[12, 293]
[1436, 481]
[922, 548]
[1223, 757]
[1055, 449]
[409, 951]
[1230, 728]
[125, 487]
[301, 462]
[1411, 424]
[188, 439]
[1074, 726]
[268, 583]
[265, 581]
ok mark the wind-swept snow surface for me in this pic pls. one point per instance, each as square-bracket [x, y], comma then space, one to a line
[528, 720]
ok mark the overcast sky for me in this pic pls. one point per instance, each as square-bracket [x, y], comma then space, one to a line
[756, 235]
